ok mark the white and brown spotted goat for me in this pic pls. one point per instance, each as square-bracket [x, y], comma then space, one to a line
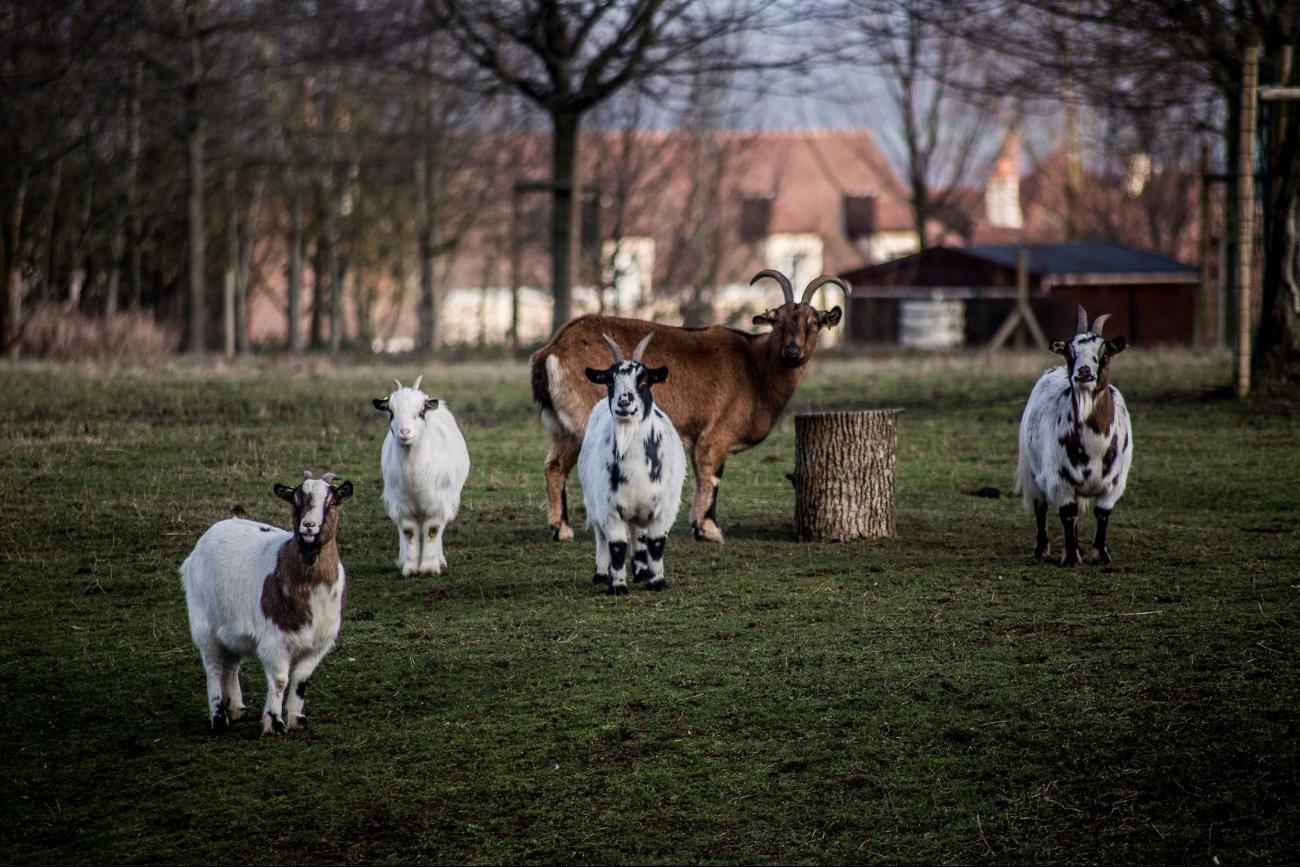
[729, 388]
[257, 590]
[1076, 441]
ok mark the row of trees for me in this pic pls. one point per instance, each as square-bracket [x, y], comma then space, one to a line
[158, 154]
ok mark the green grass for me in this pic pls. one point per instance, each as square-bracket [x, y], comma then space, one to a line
[937, 697]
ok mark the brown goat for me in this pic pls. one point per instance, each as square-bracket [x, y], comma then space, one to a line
[725, 391]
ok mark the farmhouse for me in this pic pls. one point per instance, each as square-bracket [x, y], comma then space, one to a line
[947, 296]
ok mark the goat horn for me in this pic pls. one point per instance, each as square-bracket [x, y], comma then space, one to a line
[778, 277]
[419, 379]
[613, 347]
[1081, 327]
[819, 283]
[1099, 323]
[640, 347]
[397, 383]
[306, 475]
[329, 478]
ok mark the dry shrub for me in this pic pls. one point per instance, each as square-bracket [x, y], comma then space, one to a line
[55, 331]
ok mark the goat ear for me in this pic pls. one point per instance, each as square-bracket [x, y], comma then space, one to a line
[599, 376]
[381, 404]
[284, 492]
[1116, 345]
[431, 403]
[657, 374]
[768, 318]
[1058, 346]
[830, 318]
[343, 491]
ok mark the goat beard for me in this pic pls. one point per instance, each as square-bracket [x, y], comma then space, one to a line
[309, 550]
[1084, 399]
[624, 431]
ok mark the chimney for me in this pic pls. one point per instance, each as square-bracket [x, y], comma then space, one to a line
[1002, 191]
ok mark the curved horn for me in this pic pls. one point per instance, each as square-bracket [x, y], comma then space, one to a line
[1099, 323]
[306, 475]
[778, 277]
[397, 383]
[640, 347]
[819, 283]
[613, 347]
[1081, 327]
[329, 478]
[419, 379]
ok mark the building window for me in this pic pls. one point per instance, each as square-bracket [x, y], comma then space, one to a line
[755, 218]
[859, 216]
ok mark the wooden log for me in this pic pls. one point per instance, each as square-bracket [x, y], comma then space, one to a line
[844, 474]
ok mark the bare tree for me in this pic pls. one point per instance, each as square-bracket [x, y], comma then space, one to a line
[568, 58]
[945, 120]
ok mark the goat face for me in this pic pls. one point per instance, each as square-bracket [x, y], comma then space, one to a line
[315, 508]
[629, 385]
[406, 410]
[795, 324]
[1087, 357]
[795, 328]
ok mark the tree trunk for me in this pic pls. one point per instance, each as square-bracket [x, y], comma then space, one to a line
[1277, 352]
[564, 214]
[844, 475]
[50, 264]
[232, 266]
[322, 266]
[295, 273]
[11, 312]
[194, 132]
[134, 239]
[248, 236]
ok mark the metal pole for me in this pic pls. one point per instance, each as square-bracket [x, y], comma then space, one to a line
[1246, 215]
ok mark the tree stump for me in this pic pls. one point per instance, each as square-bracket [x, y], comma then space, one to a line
[844, 474]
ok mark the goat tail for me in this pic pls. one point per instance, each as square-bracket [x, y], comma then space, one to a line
[1024, 485]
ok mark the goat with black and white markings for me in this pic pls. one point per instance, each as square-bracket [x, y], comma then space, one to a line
[632, 466]
[1076, 441]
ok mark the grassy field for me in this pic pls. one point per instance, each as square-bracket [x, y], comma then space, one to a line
[938, 697]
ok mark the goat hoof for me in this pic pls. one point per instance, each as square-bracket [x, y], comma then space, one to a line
[220, 721]
[561, 532]
[600, 579]
[1100, 556]
[1070, 558]
[641, 575]
[707, 532]
[658, 584]
[237, 713]
[299, 722]
[617, 590]
[1043, 553]
[272, 725]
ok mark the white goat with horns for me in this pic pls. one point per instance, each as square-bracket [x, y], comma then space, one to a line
[632, 467]
[256, 590]
[1076, 441]
[425, 463]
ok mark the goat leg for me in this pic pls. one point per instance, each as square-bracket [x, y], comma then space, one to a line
[1099, 553]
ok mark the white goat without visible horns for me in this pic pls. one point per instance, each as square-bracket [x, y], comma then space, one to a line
[425, 464]
[632, 466]
[1076, 441]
